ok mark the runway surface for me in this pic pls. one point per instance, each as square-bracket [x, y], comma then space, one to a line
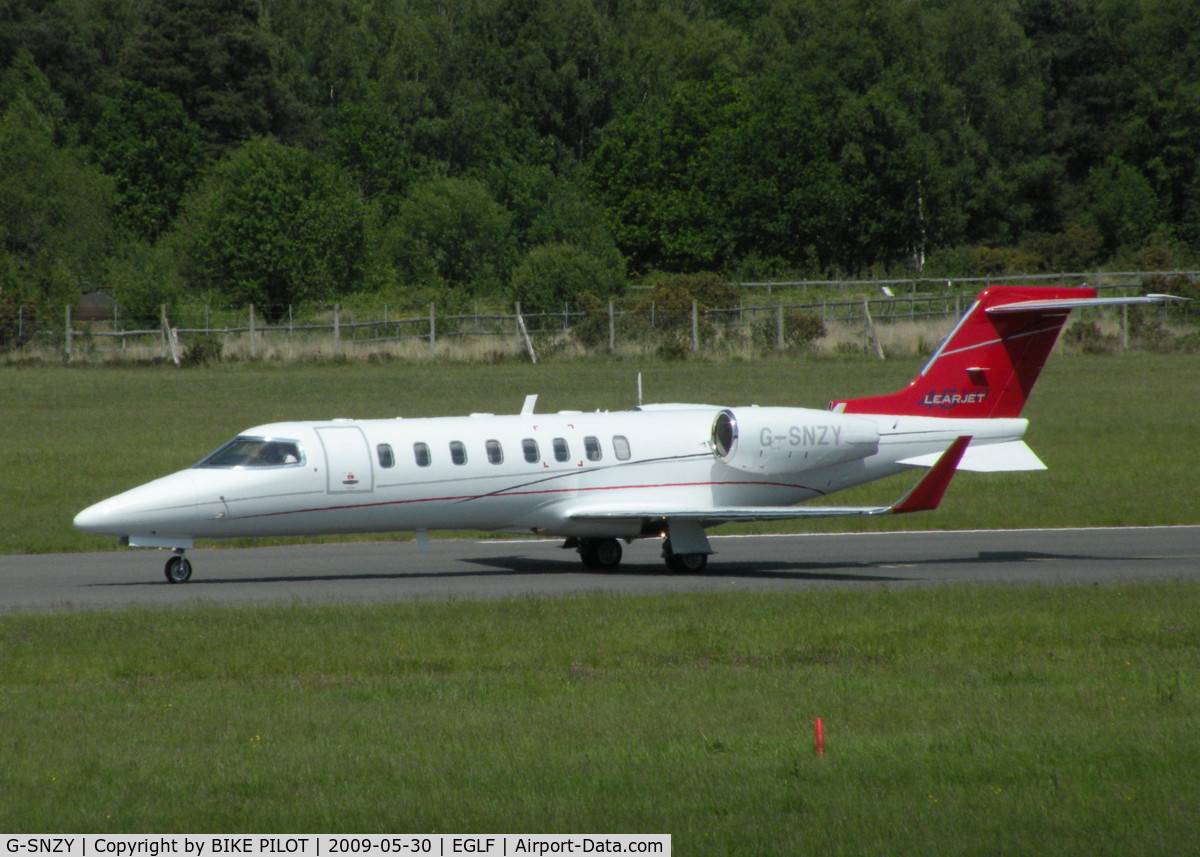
[377, 572]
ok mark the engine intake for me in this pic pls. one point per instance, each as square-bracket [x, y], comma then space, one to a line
[788, 440]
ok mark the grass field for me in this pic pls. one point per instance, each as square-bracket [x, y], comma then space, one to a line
[958, 721]
[1117, 432]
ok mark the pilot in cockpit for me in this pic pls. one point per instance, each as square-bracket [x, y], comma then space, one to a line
[274, 454]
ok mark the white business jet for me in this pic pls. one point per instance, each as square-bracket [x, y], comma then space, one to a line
[657, 471]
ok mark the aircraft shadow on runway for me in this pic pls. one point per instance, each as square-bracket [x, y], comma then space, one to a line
[765, 570]
[797, 570]
[517, 565]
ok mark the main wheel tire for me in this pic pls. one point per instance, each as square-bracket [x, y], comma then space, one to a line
[600, 554]
[177, 570]
[687, 563]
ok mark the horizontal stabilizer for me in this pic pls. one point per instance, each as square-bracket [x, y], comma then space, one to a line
[992, 458]
[924, 497]
[1077, 303]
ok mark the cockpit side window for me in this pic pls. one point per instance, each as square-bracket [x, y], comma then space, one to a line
[255, 452]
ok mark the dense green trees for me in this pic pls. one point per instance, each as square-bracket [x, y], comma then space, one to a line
[274, 225]
[146, 142]
[55, 207]
[280, 151]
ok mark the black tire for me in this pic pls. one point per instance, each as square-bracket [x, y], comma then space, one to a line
[600, 554]
[684, 563]
[178, 570]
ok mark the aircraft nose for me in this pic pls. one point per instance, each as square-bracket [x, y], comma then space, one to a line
[166, 505]
[104, 518]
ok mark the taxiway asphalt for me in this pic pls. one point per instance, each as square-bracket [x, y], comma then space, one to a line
[459, 569]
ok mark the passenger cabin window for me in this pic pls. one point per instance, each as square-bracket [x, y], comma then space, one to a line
[458, 452]
[495, 452]
[621, 447]
[255, 452]
[562, 452]
[530, 447]
[591, 446]
[387, 458]
[421, 454]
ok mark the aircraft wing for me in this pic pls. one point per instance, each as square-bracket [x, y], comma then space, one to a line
[925, 496]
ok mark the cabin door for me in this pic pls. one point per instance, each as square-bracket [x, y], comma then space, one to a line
[347, 459]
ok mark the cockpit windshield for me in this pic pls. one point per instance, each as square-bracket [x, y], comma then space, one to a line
[255, 452]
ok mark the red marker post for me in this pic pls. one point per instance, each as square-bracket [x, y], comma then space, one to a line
[819, 735]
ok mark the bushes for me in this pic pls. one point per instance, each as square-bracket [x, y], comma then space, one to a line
[202, 350]
[1087, 337]
[801, 330]
[552, 274]
[19, 320]
[670, 301]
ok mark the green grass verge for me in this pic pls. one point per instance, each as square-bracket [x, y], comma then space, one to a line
[959, 721]
[1117, 432]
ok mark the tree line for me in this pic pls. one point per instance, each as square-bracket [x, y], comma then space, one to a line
[277, 152]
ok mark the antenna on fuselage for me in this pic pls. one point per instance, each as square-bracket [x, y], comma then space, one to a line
[530, 401]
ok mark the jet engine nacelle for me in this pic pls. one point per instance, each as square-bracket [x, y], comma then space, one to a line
[787, 440]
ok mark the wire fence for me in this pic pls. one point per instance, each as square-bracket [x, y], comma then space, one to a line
[769, 316]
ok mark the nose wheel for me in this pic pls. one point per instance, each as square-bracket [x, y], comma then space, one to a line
[178, 569]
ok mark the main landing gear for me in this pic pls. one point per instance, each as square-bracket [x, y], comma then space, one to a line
[178, 569]
[600, 554]
[605, 555]
[683, 563]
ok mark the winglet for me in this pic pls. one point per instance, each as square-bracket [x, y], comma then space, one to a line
[928, 493]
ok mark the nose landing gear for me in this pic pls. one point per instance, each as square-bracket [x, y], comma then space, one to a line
[178, 569]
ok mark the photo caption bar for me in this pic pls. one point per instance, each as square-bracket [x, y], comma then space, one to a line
[323, 845]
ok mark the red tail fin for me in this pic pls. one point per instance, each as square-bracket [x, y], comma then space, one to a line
[990, 361]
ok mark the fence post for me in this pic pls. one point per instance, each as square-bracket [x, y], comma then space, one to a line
[695, 328]
[170, 335]
[253, 346]
[337, 329]
[69, 334]
[779, 327]
[870, 331]
[612, 328]
[523, 332]
[432, 331]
